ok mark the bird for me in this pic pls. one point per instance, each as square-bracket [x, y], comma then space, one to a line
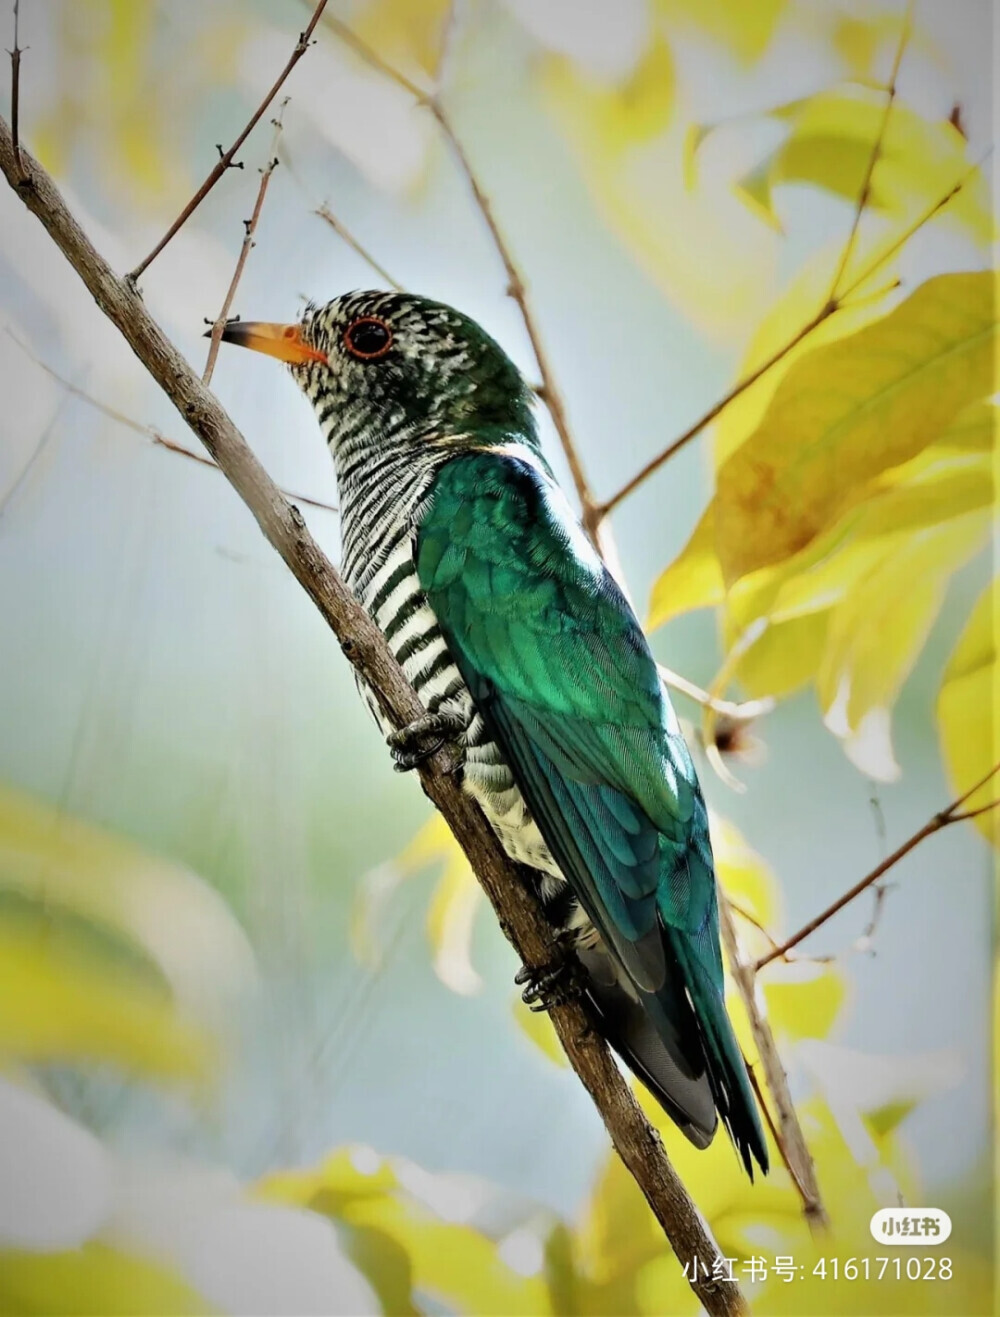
[523, 650]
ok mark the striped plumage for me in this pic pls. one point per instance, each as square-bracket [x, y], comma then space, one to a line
[459, 543]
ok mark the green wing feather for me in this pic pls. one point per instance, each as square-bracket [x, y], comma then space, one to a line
[562, 673]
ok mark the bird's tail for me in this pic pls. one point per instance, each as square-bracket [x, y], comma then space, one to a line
[724, 1063]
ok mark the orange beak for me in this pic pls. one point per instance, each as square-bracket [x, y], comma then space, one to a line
[282, 341]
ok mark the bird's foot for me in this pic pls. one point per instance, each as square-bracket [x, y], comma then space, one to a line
[420, 740]
[551, 985]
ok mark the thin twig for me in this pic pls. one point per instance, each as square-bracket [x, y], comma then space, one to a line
[147, 431]
[791, 1140]
[250, 227]
[864, 194]
[15, 96]
[775, 1132]
[952, 814]
[520, 915]
[743, 712]
[830, 308]
[343, 232]
[226, 158]
[694, 430]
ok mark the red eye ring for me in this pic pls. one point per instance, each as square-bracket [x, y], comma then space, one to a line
[368, 338]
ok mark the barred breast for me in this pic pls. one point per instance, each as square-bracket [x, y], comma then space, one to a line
[392, 596]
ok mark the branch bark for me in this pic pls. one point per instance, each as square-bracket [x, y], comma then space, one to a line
[226, 158]
[250, 227]
[524, 924]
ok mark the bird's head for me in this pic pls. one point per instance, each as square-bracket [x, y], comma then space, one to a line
[394, 363]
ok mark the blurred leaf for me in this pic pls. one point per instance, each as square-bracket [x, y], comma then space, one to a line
[633, 154]
[538, 1027]
[966, 708]
[804, 1000]
[693, 580]
[745, 28]
[93, 1280]
[877, 632]
[830, 142]
[58, 1005]
[744, 874]
[179, 922]
[786, 657]
[848, 411]
[406, 33]
[450, 923]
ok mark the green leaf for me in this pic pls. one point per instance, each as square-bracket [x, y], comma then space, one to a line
[93, 1281]
[847, 412]
[966, 709]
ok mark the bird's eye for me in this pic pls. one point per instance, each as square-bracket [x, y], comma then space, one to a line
[368, 338]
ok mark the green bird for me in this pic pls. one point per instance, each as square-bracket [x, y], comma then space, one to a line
[521, 647]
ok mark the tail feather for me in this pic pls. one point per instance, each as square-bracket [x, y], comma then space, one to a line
[726, 1068]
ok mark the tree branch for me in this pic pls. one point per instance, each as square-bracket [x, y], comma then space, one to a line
[250, 226]
[15, 95]
[226, 158]
[343, 232]
[953, 813]
[521, 919]
[788, 1136]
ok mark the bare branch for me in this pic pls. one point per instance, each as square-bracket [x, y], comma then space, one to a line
[15, 94]
[148, 431]
[864, 194]
[952, 814]
[226, 158]
[519, 913]
[343, 232]
[788, 1136]
[250, 227]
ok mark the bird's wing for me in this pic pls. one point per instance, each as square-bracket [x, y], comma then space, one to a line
[561, 672]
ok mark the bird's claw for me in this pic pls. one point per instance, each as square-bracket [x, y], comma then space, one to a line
[550, 985]
[420, 740]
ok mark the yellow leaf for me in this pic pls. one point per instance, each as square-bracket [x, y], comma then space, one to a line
[93, 1279]
[830, 145]
[745, 28]
[785, 657]
[866, 663]
[795, 307]
[804, 1000]
[744, 874]
[967, 709]
[848, 411]
[693, 579]
[632, 154]
[157, 906]
[406, 33]
[450, 924]
[60, 1004]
